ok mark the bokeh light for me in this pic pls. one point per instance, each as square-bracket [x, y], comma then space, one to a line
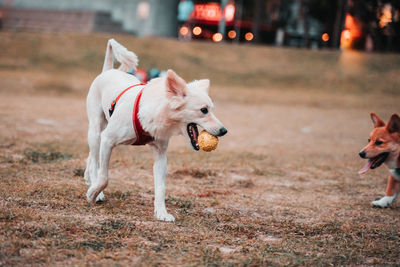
[230, 12]
[346, 34]
[248, 36]
[386, 16]
[217, 37]
[346, 39]
[232, 34]
[184, 30]
[325, 37]
[197, 30]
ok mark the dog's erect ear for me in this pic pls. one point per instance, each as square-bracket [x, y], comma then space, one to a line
[376, 120]
[393, 125]
[203, 84]
[176, 86]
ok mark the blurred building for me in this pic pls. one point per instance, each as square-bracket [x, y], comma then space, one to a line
[373, 25]
[140, 17]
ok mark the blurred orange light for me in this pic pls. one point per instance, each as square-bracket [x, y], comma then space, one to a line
[325, 37]
[232, 34]
[249, 36]
[351, 33]
[217, 37]
[353, 25]
[386, 16]
[197, 30]
[346, 39]
[346, 34]
[184, 30]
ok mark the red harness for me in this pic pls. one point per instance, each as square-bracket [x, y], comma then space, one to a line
[142, 137]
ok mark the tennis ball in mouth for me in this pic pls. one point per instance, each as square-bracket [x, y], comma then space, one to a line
[207, 142]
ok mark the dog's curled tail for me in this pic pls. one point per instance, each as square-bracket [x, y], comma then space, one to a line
[116, 51]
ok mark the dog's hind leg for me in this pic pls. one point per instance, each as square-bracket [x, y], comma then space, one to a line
[100, 181]
[97, 122]
[92, 164]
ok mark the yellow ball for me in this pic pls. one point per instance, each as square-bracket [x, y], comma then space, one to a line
[207, 141]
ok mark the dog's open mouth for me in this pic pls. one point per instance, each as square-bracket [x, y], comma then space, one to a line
[374, 162]
[193, 134]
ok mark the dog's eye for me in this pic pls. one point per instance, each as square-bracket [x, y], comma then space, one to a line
[378, 143]
[204, 110]
[369, 140]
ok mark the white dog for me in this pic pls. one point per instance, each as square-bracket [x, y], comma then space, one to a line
[121, 110]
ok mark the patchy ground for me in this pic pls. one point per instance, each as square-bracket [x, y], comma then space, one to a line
[281, 189]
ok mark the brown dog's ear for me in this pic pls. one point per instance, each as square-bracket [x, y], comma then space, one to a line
[376, 120]
[393, 125]
[176, 86]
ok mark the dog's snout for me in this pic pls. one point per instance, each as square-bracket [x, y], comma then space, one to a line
[222, 131]
[362, 154]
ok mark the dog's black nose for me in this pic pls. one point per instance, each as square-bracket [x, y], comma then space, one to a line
[362, 154]
[222, 131]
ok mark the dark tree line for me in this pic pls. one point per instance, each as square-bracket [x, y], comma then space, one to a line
[331, 14]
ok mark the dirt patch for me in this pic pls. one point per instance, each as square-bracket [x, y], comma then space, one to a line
[195, 173]
[45, 157]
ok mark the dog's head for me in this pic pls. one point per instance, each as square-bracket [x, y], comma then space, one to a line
[190, 106]
[383, 143]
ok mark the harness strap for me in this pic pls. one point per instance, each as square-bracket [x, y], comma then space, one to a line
[142, 137]
[114, 103]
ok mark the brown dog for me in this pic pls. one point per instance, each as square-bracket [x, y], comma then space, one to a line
[384, 147]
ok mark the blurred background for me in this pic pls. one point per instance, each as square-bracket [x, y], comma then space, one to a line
[370, 25]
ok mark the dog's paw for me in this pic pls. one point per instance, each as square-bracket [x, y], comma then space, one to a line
[100, 197]
[163, 215]
[91, 196]
[378, 204]
[383, 202]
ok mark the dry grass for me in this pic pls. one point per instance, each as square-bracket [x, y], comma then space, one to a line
[281, 189]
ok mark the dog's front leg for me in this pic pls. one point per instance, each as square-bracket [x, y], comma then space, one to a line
[392, 191]
[159, 171]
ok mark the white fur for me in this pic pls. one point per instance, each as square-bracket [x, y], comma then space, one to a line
[116, 51]
[167, 105]
[384, 202]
